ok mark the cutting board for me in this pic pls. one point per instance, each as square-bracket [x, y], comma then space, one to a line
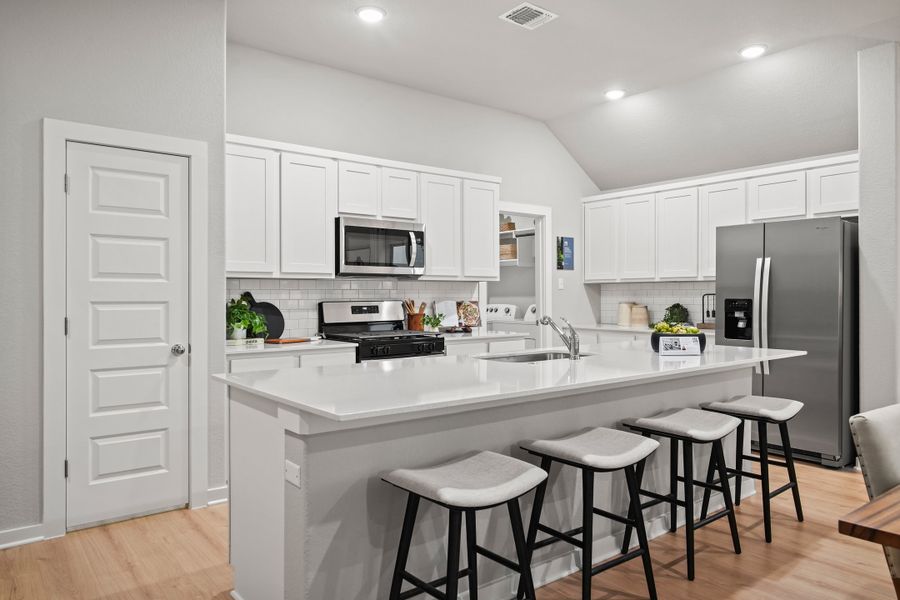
[288, 341]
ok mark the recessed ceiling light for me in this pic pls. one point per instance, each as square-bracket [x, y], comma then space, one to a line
[754, 51]
[371, 14]
[615, 94]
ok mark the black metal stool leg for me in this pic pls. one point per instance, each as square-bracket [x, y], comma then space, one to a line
[739, 463]
[525, 581]
[587, 531]
[764, 476]
[688, 458]
[453, 554]
[409, 520]
[536, 509]
[792, 473]
[726, 493]
[471, 555]
[673, 484]
[633, 482]
[632, 502]
[710, 475]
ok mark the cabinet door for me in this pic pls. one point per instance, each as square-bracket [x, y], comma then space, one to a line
[324, 359]
[399, 194]
[833, 189]
[308, 209]
[777, 196]
[637, 238]
[251, 209]
[440, 198]
[357, 188]
[601, 220]
[467, 348]
[677, 215]
[721, 205]
[264, 363]
[480, 230]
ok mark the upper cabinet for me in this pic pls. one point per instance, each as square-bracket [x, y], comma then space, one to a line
[601, 223]
[777, 196]
[441, 199]
[833, 189]
[667, 231]
[399, 194]
[357, 188]
[480, 229]
[309, 187]
[676, 234]
[721, 205]
[251, 209]
[636, 256]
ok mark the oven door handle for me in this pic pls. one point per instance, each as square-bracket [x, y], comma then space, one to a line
[414, 249]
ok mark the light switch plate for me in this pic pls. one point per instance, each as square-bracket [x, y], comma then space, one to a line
[292, 473]
[560, 284]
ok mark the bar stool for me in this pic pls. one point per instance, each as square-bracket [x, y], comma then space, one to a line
[473, 482]
[599, 450]
[689, 426]
[764, 410]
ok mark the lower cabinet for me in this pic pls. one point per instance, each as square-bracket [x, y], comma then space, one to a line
[290, 360]
[324, 359]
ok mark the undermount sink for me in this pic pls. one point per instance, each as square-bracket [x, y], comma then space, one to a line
[529, 357]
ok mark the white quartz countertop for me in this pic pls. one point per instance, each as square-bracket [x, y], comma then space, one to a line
[302, 347]
[481, 334]
[375, 389]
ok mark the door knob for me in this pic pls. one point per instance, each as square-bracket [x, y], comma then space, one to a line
[177, 349]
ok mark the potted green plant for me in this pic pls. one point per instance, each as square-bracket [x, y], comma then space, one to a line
[432, 322]
[240, 320]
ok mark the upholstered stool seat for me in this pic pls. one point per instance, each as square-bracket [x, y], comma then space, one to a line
[600, 448]
[692, 423]
[767, 407]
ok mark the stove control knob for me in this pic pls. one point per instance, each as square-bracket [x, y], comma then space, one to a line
[373, 351]
[385, 350]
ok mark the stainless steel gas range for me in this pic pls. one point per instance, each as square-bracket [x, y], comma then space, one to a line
[378, 329]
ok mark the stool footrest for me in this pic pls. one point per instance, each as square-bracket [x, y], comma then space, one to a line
[658, 499]
[709, 519]
[613, 517]
[616, 561]
[558, 536]
[782, 489]
[714, 486]
[427, 587]
[498, 559]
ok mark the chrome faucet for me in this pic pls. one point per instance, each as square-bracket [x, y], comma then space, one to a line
[570, 339]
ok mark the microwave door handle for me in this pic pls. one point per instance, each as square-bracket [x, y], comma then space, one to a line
[414, 249]
[764, 311]
[756, 333]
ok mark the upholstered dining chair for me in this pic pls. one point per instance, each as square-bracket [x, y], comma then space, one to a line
[878, 446]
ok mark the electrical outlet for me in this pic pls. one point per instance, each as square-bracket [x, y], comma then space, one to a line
[560, 284]
[292, 473]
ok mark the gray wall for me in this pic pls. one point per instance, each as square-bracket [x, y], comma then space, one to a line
[879, 186]
[151, 66]
[792, 104]
[275, 97]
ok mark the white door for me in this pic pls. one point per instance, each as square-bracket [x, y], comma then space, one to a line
[357, 188]
[676, 234]
[399, 194]
[308, 209]
[833, 189]
[777, 196]
[637, 238]
[721, 205]
[601, 222]
[481, 230]
[440, 199]
[127, 307]
[251, 210]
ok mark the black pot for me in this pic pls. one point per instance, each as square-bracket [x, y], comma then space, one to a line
[654, 339]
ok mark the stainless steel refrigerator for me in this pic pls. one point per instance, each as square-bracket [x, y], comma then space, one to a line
[793, 285]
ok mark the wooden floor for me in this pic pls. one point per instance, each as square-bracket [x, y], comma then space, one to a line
[183, 554]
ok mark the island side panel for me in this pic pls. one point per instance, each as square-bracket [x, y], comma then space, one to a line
[347, 543]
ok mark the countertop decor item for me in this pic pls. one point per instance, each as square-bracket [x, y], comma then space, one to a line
[624, 319]
[273, 318]
[432, 322]
[240, 320]
[678, 331]
[468, 312]
[448, 309]
[640, 316]
[677, 313]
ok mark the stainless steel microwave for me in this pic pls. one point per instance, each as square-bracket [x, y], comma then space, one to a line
[369, 247]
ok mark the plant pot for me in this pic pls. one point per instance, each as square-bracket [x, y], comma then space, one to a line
[414, 322]
[238, 334]
[431, 329]
[654, 339]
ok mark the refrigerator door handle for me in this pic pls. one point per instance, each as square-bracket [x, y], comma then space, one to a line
[756, 320]
[764, 313]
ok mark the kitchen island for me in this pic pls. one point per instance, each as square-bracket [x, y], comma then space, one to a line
[310, 517]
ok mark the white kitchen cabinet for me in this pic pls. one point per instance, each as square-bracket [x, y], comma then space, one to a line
[308, 209]
[677, 242]
[440, 199]
[480, 224]
[399, 194]
[263, 363]
[601, 223]
[777, 196]
[251, 209]
[357, 188]
[466, 348]
[833, 189]
[636, 256]
[324, 359]
[721, 205]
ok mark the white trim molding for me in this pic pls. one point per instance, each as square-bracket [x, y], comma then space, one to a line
[216, 495]
[56, 134]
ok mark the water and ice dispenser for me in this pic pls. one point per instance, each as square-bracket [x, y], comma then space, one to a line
[738, 319]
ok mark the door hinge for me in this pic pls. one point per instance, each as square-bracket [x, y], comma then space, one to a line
[66, 183]
[66, 326]
[66, 468]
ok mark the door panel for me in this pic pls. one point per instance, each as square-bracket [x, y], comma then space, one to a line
[804, 314]
[127, 303]
[601, 224]
[676, 233]
[357, 188]
[399, 194]
[637, 240]
[737, 249]
[251, 209]
[480, 227]
[441, 213]
[721, 205]
[309, 193]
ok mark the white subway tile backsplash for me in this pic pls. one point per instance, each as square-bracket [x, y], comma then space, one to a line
[657, 296]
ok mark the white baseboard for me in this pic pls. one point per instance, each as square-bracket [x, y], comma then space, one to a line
[235, 595]
[217, 495]
[21, 535]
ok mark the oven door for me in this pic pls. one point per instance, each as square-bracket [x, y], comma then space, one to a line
[367, 247]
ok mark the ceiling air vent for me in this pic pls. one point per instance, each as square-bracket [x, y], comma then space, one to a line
[528, 15]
